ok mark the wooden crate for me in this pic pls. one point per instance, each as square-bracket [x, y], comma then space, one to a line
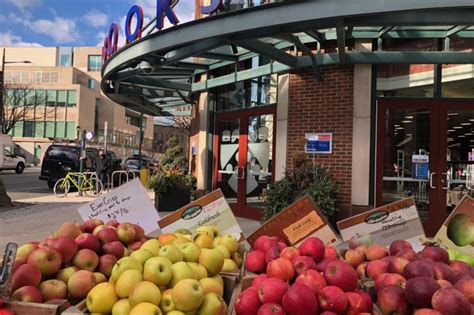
[241, 272]
[26, 308]
[241, 286]
[230, 283]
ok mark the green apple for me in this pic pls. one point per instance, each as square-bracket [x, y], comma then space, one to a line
[66, 273]
[187, 295]
[144, 291]
[461, 230]
[452, 253]
[199, 269]
[223, 250]
[190, 252]
[152, 245]
[211, 285]
[145, 308]
[166, 304]
[229, 266]
[212, 259]
[219, 279]
[99, 277]
[123, 264]
[101, 298]
[213, 304]
[158, 270]
[172, 253]
[127, 280]
[122, 307]
[181, 270]
[203, 240]
[466, 258]
[230, 242]
[237, 258]
[142, 255]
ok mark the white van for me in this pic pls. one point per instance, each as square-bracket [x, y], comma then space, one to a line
[8, 159]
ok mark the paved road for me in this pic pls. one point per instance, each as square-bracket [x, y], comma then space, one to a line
[26, 185]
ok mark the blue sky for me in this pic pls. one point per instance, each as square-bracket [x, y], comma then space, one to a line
[69, 23]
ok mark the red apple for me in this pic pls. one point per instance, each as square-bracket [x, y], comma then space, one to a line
[332, 299]
[107, 235]
[444, 283]
[435, 253]
[126, 233]
[105, 265]
[368, 300]
[409, 254]
[139, 232]
[420, 290]
[392, 300]
[114, 248]
[354, 257]
[66, 246]
[389, 279]
[375, 251]
[355, 304]
[418, 268]
[272, 254]
[443, 271]
[313, 247]
[53, 289]
[23, 252]
[290, 253]
[113, 223]
[466, 287]
[248, 303]
[362, 270]
[255, 261]
[458, 266]
[330, 252]
[27, 293]
[69, 229]
[342, 275]
[397, 264]
[281, 268]
[258, 279]
[272, 290]
[426, 311]
[24, 275]
[450, 301]
[66, 273]
[87, 240]
[85, 259]
[89, 225]
[312, 279]
[264, 243]
[468, 274]
[300, 300]
[271, 309]
[135, 245]
[399, 245]
[47, 259]
[321, 266]
[303, 263]
[81, 283]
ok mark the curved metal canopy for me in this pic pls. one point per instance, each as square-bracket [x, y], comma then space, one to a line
[160, 72]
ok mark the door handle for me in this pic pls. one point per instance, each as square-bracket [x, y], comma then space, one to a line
[447, 181]
[431, 180]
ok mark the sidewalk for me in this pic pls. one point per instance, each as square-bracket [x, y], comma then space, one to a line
[47, 213]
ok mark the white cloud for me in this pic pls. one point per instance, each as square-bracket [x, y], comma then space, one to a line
[60, 29]
[95, 18]
[8, 39]
[23, 4]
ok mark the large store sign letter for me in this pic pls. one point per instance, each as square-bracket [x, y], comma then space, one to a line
[211, 8]
[163, 8]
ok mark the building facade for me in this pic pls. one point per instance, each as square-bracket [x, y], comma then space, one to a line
[63, 94]
[390, 83]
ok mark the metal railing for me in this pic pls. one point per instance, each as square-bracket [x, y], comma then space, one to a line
[123, 177]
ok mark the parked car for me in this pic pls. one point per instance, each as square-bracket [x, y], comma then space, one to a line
[9, 160]
[133, 162]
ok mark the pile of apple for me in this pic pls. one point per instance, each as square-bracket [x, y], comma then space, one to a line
[72, 260]
[173, 274]
[311, 279]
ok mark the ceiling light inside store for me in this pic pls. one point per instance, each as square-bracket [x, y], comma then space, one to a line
[406, 121]
[468, 134]
[466, 124]
[451, 130]
[409, 117]
[457, 127]
[397, 125]
[471, 120]
[461, 136]
[453, 114]
[450, 139]
[399, 128]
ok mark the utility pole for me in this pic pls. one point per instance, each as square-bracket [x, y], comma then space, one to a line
[83, 156]
[140, 143]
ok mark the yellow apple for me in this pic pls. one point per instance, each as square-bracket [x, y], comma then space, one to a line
[99, 277]
[166, 304]
[122, 307]
[127, 280]
[166, 238]
[216, 242]
[145, 308]
[212, 259]
[199, 269]
[123, 264]
[142, 255]
[101, 298]
[229, 266]
[237, 258]
[190, 251]
[230, 242]
[211, 230]
[158, 270]
[183, 231]
[187, 295]
[152, 245]
[211, 285]
[219, 279]
[203, 240]
[223, 250]
[176, 312]
[172, 253]
[181, 270]
[144, 291]
[126, 252]
[213, 304]
[181, 240]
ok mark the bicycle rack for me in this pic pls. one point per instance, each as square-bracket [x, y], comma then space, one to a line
[129, 175]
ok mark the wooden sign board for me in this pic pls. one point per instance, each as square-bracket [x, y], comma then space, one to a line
[212, 209]
[298, 221]
[457, 232]
[396, 221]
[127, 203]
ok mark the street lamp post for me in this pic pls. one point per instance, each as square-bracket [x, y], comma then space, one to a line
[2, 87]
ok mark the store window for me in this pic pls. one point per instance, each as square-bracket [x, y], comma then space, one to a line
[133, 119]
[94, 63]
[71, 98]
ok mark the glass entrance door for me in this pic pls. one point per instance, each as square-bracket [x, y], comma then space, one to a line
[244, 159]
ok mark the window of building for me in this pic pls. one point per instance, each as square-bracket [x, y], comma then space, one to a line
[60, 129]
[51, 98]
[46, 77]
[91, 84]
[132, 119]
[61, 99]
[39, 129]
[94, 63]
[40, 97]
[49, 129]
[65, 60]
[29, 129]
[71, 98]
[71, 130]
